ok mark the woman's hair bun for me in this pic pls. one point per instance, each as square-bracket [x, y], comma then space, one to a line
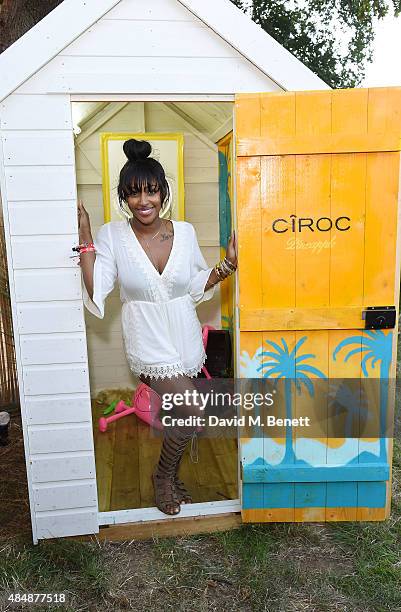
[136, 150]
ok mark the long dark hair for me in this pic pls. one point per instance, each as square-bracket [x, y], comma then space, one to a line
[141, 170]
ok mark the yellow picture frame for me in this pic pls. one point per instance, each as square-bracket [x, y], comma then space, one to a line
[173, 165]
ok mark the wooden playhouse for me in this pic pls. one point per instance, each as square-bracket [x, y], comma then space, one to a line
[261, 162]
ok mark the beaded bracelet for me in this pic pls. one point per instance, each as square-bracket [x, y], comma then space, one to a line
[85, 247]
[79, 247]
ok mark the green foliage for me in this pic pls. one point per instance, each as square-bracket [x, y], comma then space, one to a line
[332, 37]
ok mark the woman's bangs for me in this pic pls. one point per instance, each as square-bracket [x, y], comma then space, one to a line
[142, 177]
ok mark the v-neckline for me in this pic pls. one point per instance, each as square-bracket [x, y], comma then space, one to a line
[159, 274]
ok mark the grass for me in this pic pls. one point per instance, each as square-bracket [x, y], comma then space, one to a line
[285, 567]
[341, 567]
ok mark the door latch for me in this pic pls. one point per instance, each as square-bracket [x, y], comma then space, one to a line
[379, 317]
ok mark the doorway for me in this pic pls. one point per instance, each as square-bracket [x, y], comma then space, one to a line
[128, 450]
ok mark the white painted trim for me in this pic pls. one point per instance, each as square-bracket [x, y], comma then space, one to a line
[167, 97]
[47, 39]
[258, 47]
[140, 515]
[71, 18]
[18, 360]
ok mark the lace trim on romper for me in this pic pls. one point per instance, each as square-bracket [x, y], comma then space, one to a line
[159, 292]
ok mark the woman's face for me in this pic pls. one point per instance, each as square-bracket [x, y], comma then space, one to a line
[145, 204]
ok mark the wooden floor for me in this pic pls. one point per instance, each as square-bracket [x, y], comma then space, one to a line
[128, 451]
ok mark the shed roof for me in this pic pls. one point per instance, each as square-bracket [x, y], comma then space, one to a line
[71, 18]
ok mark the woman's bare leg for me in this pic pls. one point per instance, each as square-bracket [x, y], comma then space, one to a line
[169, 490]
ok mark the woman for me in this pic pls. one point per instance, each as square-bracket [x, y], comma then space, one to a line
[163, 277]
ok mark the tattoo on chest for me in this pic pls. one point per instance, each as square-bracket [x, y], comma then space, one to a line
[166, 236]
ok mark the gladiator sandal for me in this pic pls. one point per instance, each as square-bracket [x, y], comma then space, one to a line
[183, 496]
[163, 478]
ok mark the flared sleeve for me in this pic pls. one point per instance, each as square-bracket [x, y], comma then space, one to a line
[200, 273]
[104, 272]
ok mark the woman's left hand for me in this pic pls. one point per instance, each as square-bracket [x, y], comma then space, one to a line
[232, 251]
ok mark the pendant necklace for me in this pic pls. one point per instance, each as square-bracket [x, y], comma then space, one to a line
[148, 245]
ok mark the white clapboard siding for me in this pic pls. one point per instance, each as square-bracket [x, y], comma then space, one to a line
[77, 522]
[56, 467]
[39, 349]
[51, 379]
[51, 350]
[153, 38]
[157, 9]
[31, 218]
[40, 182]
[63, 495]
[47, 284]
[44, 409]
[44, 251]
[49, 36]
[45, 318]
[38, 112]
[60, 438]
[34, 147]
[184, 75]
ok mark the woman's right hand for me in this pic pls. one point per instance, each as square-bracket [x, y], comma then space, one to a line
[84, 226]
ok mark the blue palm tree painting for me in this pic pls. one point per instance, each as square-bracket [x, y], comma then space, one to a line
[377, 346]
[291, 366]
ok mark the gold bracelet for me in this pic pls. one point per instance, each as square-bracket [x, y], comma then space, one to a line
[230, 265]
[219, 272]
[226, 269]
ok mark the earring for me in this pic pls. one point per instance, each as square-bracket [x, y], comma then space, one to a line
[167, 204]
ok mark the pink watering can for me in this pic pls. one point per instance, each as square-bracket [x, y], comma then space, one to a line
[146, 402]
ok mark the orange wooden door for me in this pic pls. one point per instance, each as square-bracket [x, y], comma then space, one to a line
[318, 226]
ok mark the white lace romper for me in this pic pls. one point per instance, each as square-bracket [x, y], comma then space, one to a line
[161, 330]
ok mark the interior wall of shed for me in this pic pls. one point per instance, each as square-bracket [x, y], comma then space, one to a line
[202, 125]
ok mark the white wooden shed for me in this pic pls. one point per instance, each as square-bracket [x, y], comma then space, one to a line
[108, 52]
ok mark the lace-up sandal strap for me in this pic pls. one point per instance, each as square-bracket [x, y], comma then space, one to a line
[172, 450]
[182, 493]
[166, 498]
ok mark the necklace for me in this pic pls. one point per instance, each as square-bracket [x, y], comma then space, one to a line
[161, 225]
[148, 245]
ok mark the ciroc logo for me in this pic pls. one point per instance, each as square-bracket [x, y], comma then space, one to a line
[299, 224]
